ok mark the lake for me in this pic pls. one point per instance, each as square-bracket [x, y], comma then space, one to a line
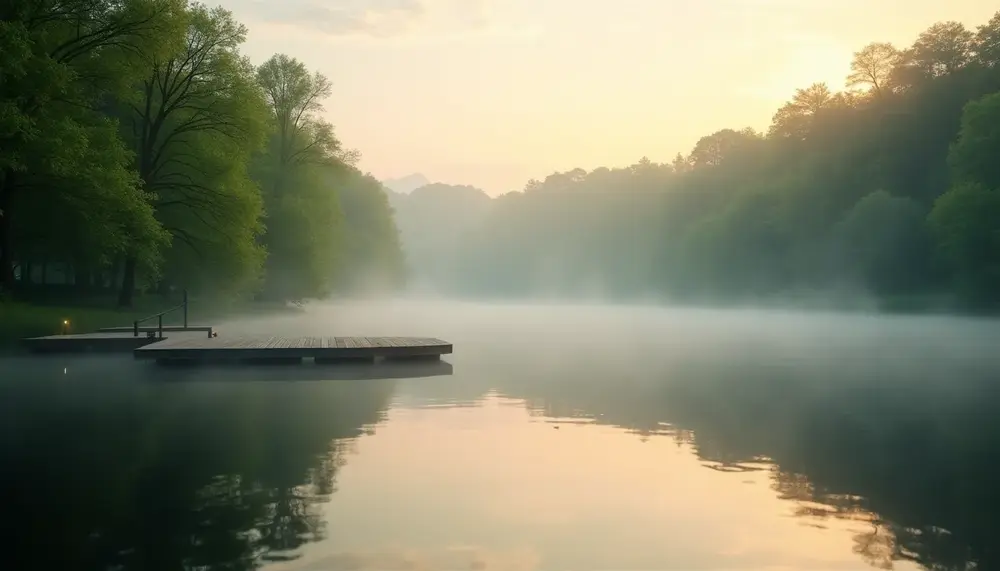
[562, 438]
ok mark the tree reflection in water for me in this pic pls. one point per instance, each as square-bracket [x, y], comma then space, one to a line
[910, 457]
[128, 474]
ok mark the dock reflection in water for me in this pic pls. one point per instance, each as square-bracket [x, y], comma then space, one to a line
[724, 463]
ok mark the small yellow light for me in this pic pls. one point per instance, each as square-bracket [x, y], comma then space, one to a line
[65, 321]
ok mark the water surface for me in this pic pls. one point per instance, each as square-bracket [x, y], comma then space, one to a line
[562, 438]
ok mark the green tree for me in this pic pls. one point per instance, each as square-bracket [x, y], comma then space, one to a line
[882, 244]
[304, 219]
[724, 145]
[371, 256]
[975, 155]
[794, 120]
[194, 122]
[987, 42]
[872, 66]
[91, 210]
[50, 84]
[941, 49]
[966, 225]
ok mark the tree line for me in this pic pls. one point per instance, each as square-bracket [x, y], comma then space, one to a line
[889, 187]
[140, 150]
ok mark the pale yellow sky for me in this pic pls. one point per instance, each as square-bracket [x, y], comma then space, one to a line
[494, 92]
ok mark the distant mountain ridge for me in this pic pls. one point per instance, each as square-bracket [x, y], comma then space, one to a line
[406, 184]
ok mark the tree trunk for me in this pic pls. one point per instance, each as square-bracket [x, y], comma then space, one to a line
[6, 236]
[112, 275]
[128, 283]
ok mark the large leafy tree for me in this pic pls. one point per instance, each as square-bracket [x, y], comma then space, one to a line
[55, 148]
[987, 42]
[304, 219]
[966, 224]
[872, 65]
[371, 256]
[795, 119]
[194, 121]
[966, 220]
[975, 155]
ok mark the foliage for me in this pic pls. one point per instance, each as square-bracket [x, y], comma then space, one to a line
[872, 66]
[966, 222]
[194, 121]
[974, 156]
[834, 198]
[882, 243]
[371, 248]
[127, 133]
[305, 229]
[138, 145]
[56, 156]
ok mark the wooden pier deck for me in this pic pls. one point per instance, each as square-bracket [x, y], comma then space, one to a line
[272, 349]
[87, 343]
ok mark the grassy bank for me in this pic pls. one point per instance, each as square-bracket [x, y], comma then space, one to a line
[22, 319]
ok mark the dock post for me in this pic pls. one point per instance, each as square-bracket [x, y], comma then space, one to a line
[185, 308]
[135, 328]
[160, 324]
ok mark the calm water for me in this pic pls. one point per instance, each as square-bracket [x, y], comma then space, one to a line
[561, 438]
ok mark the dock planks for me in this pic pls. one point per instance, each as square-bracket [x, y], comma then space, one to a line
[265, 348]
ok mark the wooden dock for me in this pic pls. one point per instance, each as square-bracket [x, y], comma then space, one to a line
[181, 349]
[272, 349]
[88, 343]
[151, 343]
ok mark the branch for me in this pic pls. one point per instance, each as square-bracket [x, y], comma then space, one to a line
[295, 156]
[187, 238]
[105, 34]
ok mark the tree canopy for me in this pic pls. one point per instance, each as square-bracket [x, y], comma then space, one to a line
[171, 160]
[886, 188]
[140, 149]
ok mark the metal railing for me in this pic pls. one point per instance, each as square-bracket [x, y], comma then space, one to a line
[159, 317]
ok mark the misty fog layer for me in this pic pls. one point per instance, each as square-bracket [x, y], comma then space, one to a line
[879, 189]
[560, 437]
[878, 192]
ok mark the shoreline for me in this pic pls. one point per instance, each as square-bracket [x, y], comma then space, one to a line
[22, 319]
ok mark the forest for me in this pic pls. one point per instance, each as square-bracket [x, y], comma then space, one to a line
[141, 151]
[886, 190]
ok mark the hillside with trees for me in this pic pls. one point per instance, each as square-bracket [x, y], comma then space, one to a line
[887, 190]
[433, 219]
[141, 150]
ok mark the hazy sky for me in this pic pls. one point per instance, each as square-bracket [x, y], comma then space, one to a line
[494, 92]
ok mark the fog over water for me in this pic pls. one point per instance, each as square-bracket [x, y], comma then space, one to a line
[560, 437]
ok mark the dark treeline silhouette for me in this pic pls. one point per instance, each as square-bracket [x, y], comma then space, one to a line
[890, 188]
[119, 474]
[139, 149]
